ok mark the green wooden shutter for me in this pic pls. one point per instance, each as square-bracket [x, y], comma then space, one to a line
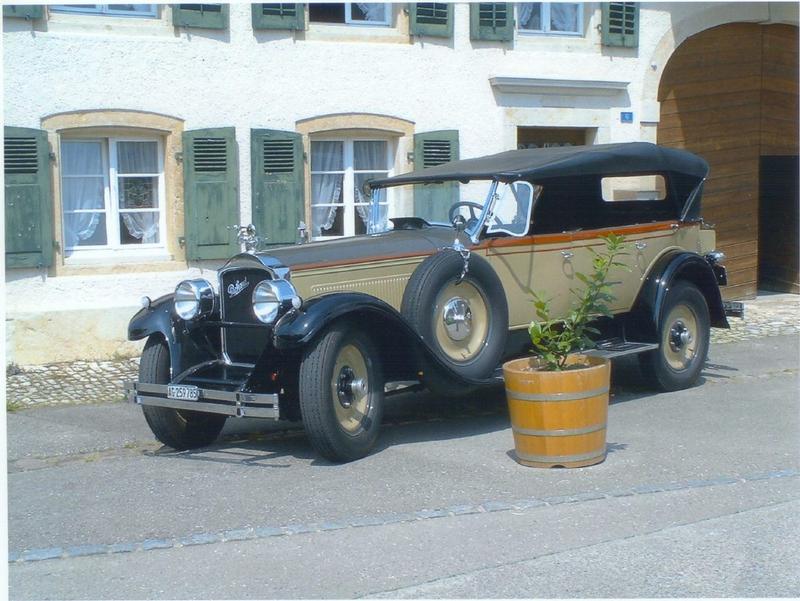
[620, 24]
[279, 16]
[278, 184]
[491, 21]
[211, 192]
[24, 11]
[434, 19]
[431, 202]
[28, 198]
[201, 16]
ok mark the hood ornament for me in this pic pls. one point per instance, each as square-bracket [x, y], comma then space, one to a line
[247, 238]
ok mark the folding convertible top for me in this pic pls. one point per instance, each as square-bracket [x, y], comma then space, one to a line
[561, 161]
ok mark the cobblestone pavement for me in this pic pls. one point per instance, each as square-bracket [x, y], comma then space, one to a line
[101, 381]
[68, 383]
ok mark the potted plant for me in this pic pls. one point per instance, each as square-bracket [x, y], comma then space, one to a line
[558, 399]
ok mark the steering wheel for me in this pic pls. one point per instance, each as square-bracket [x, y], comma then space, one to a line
[473, 217]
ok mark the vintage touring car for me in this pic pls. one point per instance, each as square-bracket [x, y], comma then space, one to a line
[316, 331]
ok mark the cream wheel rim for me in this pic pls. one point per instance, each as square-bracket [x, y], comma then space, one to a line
[680, 339]
[350, 389]
[461, 321]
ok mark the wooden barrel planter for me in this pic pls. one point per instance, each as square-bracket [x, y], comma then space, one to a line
[558, 417]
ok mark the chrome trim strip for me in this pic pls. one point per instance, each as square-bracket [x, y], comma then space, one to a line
[566, 432]
[560, 458]
[556, 397]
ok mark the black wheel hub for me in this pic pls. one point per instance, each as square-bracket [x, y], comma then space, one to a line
[344, 387]
[679, 336]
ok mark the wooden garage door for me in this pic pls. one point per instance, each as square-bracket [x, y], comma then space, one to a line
[730, 95]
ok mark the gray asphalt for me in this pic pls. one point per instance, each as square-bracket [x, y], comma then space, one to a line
[698, 497]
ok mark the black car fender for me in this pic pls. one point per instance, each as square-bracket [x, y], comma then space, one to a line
[188, 343]
[668, 269]
[399, 343]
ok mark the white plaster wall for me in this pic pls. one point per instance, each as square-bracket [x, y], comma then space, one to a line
[273, 79]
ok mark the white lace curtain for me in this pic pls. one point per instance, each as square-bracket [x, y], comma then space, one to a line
[373, 11]
[370, 155]
[563, 16]
[326, 188]
[142, 226]
[83, 189]
[83, 194]
[140, 158]
[525, 12]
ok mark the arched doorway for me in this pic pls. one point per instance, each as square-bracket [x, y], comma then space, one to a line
[730, 94]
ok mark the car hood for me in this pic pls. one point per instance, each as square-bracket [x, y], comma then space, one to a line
[363, 249]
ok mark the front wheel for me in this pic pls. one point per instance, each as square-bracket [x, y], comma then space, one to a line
[341, 393]
[174, 428]
[684, 333]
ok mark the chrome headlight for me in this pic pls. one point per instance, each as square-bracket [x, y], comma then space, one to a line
[194, 299]
[273, 297]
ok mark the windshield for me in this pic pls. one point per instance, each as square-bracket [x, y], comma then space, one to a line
[438, 204]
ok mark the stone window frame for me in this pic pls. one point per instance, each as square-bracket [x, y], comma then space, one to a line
[121, 123]
[354, 125]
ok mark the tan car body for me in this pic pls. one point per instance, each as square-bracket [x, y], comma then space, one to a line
[544, 263]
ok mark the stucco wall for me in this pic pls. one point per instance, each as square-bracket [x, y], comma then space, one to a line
[274, 80]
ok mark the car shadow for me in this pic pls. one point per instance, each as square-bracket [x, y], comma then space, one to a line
[409, 417]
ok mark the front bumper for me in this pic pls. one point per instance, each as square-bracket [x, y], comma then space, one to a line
[233, 403]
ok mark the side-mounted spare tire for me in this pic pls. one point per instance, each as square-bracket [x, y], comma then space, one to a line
[465, 322]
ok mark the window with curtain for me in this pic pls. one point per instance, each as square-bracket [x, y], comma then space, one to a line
[550, 17]
[112, 194]
[123, 10]
[351, 13]
[339, 169]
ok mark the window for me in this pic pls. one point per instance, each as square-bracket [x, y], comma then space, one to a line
[352, 13]
[550, 17]
[112, 194]
[117, 10]
[634, 187]
[339, 169]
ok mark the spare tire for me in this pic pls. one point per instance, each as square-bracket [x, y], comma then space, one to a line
[465, 322]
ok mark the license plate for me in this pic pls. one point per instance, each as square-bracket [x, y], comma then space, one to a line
[183, 393]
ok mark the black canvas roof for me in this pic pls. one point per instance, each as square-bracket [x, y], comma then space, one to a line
[562, 161]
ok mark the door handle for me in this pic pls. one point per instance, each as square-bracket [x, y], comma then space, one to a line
[567, 254]
[640, 245]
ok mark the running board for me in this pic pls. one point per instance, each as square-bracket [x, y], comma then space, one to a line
[616, 347]
[607, 349]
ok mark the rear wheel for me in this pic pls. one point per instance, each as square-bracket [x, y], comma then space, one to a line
[174, 428]
[341, 393]
[684, 333]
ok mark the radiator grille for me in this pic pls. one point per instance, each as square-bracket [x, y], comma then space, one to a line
[242, 344]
